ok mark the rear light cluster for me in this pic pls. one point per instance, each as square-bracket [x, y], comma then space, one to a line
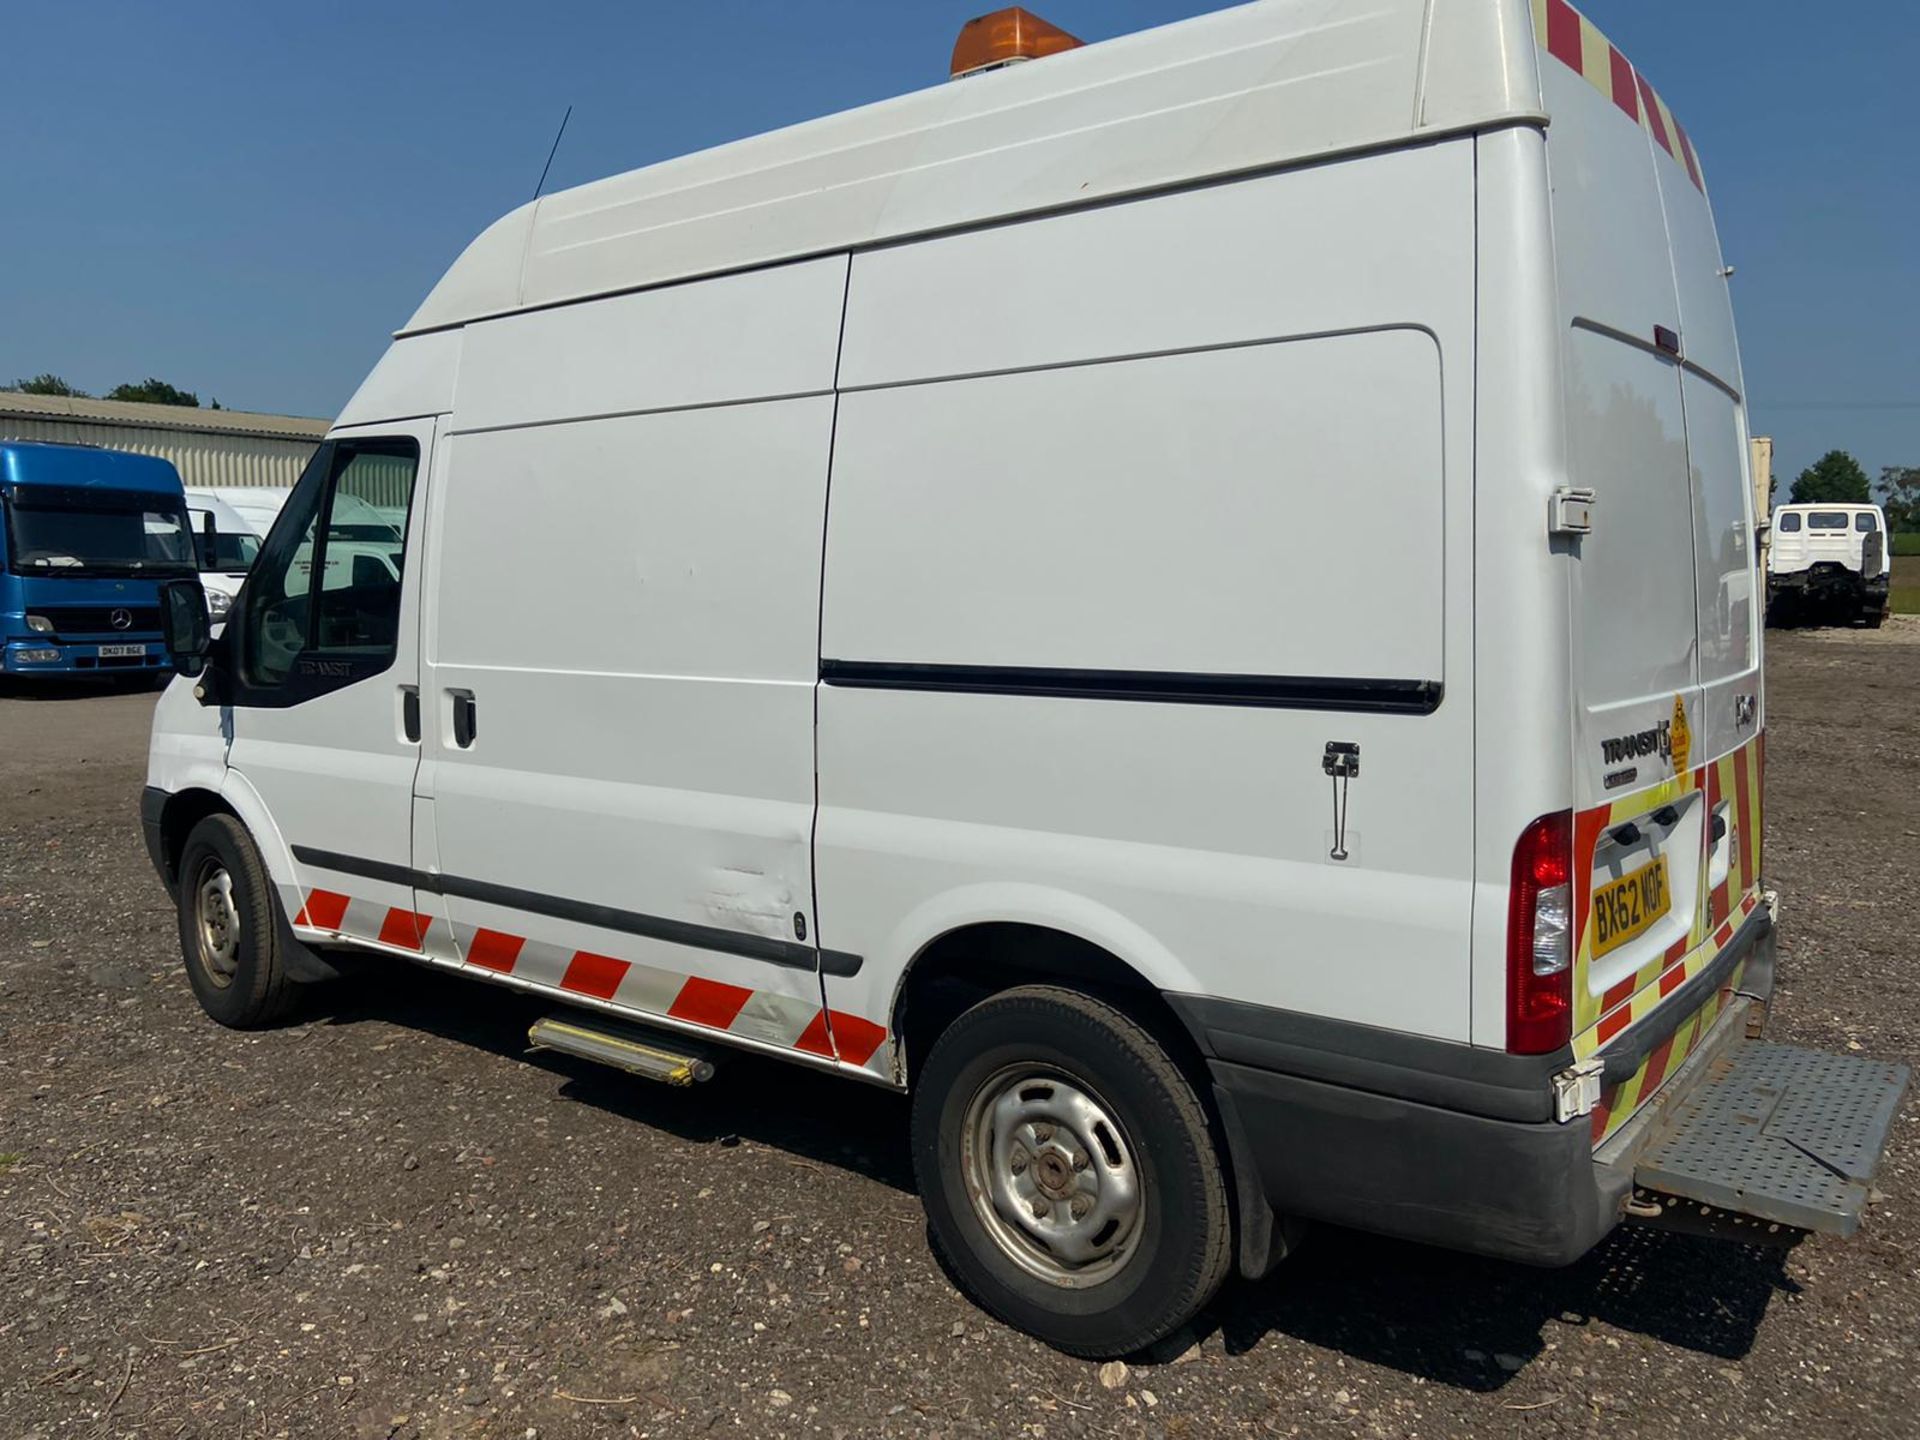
[1540, 923]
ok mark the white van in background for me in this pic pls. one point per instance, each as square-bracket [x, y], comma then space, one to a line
[939, 695]
[256, 505]
[1830, 562]
[225, 545]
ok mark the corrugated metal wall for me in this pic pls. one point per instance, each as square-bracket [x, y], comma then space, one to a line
[381, 480]
[202, 460]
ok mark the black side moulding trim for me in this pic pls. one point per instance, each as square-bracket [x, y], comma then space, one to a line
[1172, 687]
[789, 953]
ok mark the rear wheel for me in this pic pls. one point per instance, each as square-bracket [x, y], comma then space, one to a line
[228, 931]
[1069, 1173]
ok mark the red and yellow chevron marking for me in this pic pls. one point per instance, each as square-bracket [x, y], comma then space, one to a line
[1734, 779]
[1619, 1102]
[765, 1015]
[1719, 910]
[1576, 42]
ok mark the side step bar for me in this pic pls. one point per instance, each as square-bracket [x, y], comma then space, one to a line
[625, 1047]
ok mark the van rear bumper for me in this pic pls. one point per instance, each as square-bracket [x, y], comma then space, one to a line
[1422, 1139]
[1523, 1192]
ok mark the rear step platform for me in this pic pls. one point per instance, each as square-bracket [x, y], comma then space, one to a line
[646, 1053]
[1777, 1133]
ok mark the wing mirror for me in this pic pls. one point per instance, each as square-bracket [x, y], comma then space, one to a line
[184, 625]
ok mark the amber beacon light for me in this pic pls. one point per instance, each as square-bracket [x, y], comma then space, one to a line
[991, 41]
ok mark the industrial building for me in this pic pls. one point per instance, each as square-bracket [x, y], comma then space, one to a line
[207, 447]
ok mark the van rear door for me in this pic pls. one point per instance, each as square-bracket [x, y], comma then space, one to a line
[1666, 614]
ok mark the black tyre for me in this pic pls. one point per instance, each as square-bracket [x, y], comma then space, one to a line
[1875, 619]
[228, 931]
[1069, 1173]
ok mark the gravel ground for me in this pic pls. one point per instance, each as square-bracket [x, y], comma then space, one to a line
[389, 1221]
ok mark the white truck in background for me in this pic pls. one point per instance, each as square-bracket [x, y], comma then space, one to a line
[1829, 562]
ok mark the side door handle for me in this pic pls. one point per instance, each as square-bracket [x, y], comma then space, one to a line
[410, 713]
[465, 720]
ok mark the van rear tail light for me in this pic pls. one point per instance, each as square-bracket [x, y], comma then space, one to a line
[1540, 923]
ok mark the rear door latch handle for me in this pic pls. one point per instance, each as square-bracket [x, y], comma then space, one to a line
[1342, 763]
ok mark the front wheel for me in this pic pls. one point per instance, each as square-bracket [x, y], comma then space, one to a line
[1069, 1172]
[228, 931]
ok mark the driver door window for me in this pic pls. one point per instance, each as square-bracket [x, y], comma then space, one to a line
[323, 599]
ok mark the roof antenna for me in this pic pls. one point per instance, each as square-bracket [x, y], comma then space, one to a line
[551, 153]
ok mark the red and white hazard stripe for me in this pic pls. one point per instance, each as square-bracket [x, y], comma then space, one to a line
[764, 1016]
[1576, 42]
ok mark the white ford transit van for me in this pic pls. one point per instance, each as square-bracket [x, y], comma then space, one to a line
[940, 694]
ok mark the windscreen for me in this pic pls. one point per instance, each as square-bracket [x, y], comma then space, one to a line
[58, 530]
[226, 552]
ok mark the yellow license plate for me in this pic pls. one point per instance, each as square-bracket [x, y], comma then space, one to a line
[1629, 906]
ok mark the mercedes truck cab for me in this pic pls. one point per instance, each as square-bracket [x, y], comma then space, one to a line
[89, 535]
[940, 695]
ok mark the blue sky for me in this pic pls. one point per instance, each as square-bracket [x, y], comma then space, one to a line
[246, 198]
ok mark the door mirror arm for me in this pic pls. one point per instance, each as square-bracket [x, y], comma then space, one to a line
[214, 684]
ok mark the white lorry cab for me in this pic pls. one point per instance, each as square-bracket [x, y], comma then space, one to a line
[256, 505]
[1830, 561]
[940, 694]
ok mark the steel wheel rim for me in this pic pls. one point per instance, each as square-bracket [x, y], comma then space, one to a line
[1052, 1176]
[216, 924]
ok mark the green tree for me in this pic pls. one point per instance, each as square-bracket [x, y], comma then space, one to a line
[1900, 491]
[1836, 477]
[152, 391]
[47, 384]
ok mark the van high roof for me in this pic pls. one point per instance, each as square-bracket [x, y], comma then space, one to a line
[1262, 85]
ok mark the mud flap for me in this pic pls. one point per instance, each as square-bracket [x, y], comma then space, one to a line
[1777, 1133]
